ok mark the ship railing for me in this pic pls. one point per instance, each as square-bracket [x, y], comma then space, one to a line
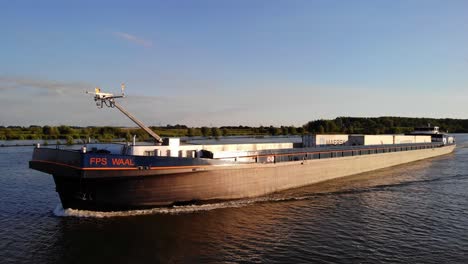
[69, 157]
[333, 152]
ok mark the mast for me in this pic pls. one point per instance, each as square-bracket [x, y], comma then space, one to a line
[108, 100]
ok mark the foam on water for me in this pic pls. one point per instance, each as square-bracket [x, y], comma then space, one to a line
[60, 212]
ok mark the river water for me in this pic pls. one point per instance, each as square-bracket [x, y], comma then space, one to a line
[413, 213]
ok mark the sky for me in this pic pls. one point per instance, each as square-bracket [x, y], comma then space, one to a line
[243, 62]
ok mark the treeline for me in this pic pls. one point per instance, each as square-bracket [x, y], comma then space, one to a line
[345, 125]
[383, 125]
[244, 131]
[107, 134]
[61, 132]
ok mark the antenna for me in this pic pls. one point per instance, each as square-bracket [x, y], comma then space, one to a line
[108, 100]
[122, 88]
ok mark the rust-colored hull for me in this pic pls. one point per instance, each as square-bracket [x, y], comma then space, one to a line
[126, 189]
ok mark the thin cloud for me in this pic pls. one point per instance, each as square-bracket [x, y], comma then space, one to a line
[133, 39]
[41, 85]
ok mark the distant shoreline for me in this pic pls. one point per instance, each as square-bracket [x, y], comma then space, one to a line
[340, 125]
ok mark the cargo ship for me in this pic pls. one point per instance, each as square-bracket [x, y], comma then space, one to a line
[115, 177]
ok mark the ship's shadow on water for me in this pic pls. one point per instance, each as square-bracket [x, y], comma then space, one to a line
[189, 234]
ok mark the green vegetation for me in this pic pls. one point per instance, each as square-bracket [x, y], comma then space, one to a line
[108, 134]
[383, 125]
[350, 125]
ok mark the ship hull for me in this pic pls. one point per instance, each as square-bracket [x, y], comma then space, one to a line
[125, 188]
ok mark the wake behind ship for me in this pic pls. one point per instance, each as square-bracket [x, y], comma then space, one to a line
[108, 177]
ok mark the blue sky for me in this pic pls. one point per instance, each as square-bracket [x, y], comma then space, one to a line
[232, 62]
